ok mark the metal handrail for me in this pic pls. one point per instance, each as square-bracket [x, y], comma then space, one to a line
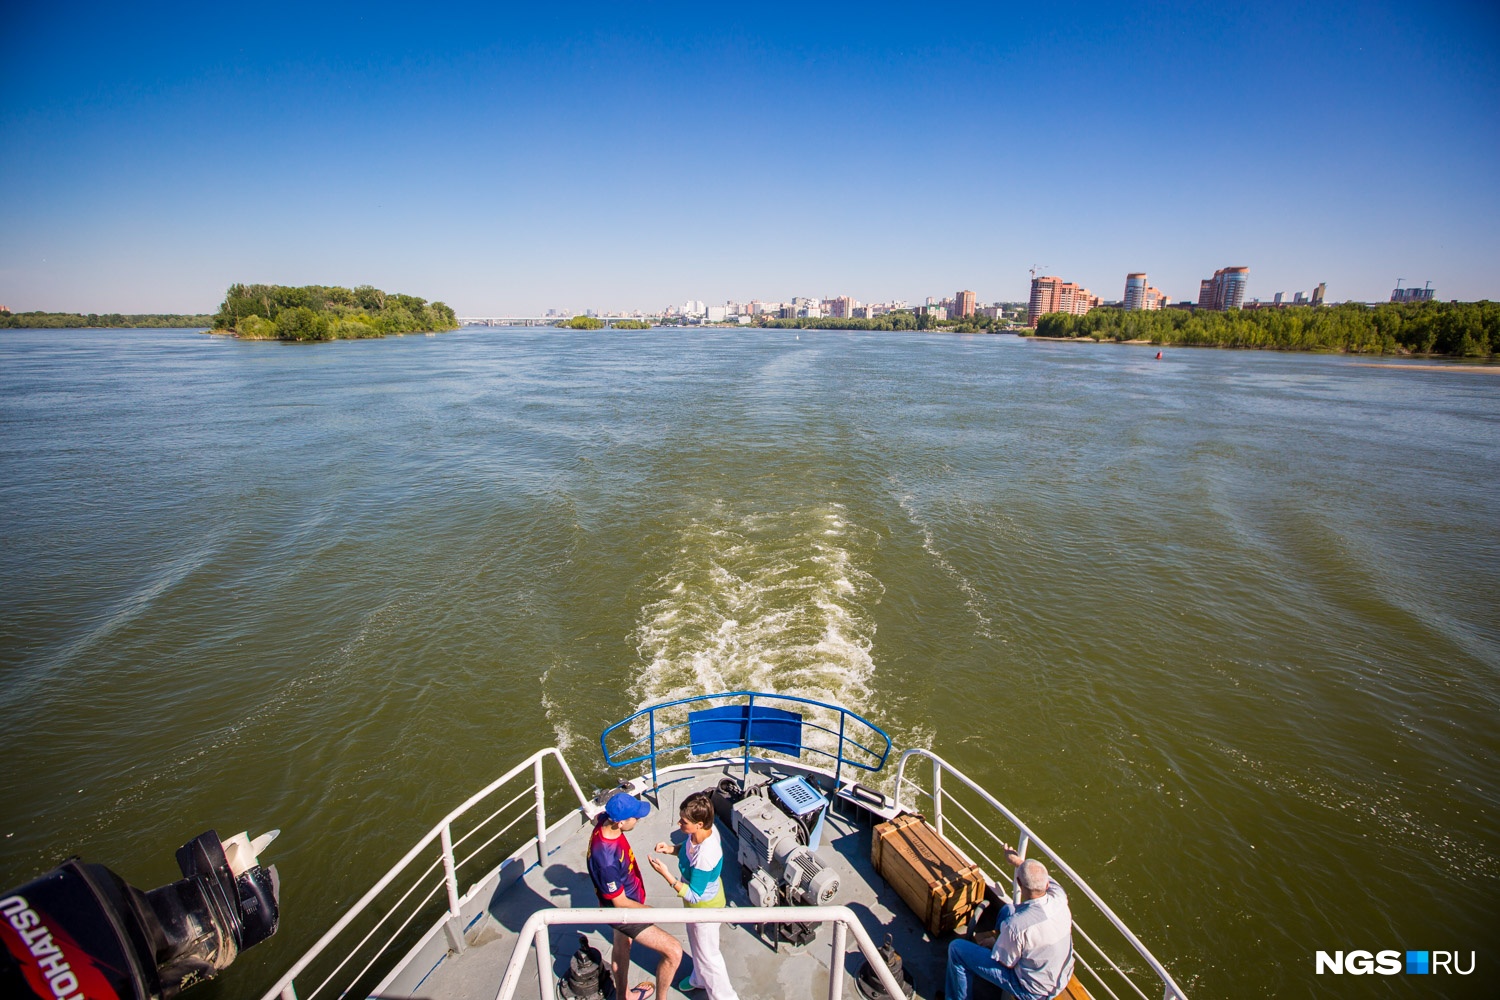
[285, 987]
[652, 734]
[1027, 837]
[534, 933]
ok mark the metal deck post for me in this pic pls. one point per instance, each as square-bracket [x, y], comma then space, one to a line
[749, 722]
[451, 927]
[543, 964]
[838, 769]
[937, 797]
[836, 963]
[541, 814]
[651, 721]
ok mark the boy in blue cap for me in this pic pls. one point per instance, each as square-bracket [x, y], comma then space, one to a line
[617, 882]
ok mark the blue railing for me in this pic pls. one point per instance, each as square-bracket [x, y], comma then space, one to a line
[743, 725]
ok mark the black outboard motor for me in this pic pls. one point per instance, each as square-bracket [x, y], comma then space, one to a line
[80, 932]
[587, 978]
[869, 985]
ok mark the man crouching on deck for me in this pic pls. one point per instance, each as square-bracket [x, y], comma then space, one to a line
[617, 882]
[1030, 952]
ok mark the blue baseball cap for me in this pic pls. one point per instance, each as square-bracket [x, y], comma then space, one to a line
[622, 806]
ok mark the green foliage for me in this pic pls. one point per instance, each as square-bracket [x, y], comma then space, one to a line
[585, 323]
[890, 321]
[257, 328]
[302, 323]
[631, 324]
[327, 312]
[1457, 329]
[80, 321]
[975, 324]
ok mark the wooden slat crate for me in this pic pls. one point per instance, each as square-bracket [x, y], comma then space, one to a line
[924, 869]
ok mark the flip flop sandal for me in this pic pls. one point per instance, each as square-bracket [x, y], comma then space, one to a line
[642, 991]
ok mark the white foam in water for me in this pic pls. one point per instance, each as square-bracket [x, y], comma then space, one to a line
[773, 602]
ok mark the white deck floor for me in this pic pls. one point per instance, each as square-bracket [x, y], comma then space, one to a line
[758, 969]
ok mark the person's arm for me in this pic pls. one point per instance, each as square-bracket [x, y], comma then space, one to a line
[661, 869]
[1007, 950]
[625, 902]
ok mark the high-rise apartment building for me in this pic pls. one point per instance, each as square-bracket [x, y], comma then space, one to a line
[1412, 294]
[1140, 295]
[963, 304]
[839, 308]
[1225, 290]
[1317, 298]
[1051, 294]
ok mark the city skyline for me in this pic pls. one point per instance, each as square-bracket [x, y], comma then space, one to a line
[515, 160]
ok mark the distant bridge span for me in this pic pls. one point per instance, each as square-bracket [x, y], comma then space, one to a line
[532, 320]
[512, 320]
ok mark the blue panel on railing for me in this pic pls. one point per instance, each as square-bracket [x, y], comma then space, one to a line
[715, 730]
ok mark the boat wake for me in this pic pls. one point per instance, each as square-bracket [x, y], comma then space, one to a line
[775, 602]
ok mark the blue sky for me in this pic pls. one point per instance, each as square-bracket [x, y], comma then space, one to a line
[514, 159]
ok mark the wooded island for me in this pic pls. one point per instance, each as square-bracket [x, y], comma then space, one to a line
[326, 312]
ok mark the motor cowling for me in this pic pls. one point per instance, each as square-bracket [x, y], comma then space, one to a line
[81, 931]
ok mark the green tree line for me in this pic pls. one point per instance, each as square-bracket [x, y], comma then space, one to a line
[1457, 329]
[900, 320]
[102, 321]
[326, 312]
[890, 321]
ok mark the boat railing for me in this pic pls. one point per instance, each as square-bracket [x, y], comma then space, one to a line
[467, 843]
[737, 721]
[979, 838]
[533, 937]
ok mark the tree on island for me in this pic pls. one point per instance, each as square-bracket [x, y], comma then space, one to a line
[585, 323]
[326, 312]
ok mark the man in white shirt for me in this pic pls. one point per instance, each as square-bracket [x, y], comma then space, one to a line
[1030, 952]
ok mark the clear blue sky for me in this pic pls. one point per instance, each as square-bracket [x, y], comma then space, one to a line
[506, 159]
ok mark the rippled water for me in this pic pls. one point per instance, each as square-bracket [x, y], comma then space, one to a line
[1223, 626]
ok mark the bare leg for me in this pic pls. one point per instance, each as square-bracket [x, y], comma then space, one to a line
[670, 949]
[619, 964]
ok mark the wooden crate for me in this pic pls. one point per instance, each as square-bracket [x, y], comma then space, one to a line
[939, 886]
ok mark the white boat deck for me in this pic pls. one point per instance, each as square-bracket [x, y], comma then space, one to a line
[527, 894]
[759, 968]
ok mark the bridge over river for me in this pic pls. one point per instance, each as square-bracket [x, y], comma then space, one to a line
[532, 320]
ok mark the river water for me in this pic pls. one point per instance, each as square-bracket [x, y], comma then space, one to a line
[1224, 627]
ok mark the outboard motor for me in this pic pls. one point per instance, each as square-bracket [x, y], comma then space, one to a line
[587, 979]
[80, 931]
[868, 983]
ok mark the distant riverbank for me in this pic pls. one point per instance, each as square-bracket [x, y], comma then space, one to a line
[1436, 329]
[103, 321]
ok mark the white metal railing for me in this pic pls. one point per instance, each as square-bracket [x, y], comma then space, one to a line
[533, 937]
[450, 865]
[1025, 839]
